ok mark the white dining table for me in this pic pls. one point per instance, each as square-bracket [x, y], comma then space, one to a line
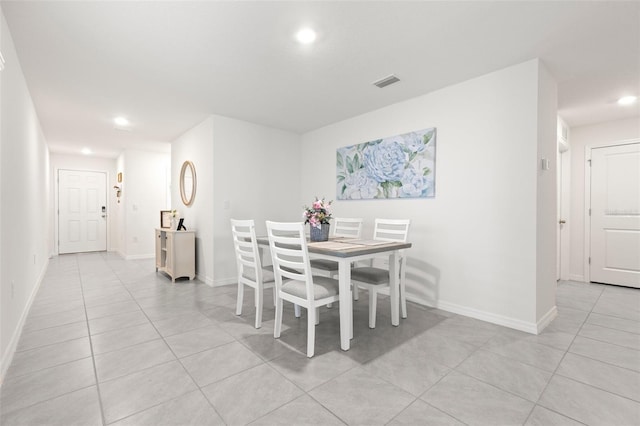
[345, 251]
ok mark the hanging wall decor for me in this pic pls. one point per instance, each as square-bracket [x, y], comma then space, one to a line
[400, 166]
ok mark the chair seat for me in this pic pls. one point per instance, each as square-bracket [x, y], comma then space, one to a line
[371, 275]
[323, 287]
[267, 274]
[324, 264]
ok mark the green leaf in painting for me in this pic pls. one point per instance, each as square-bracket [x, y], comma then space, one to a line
[349, 165]
[339, 160]
[427, 137]
[426, 171]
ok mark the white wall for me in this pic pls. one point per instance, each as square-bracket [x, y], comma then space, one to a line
[82, 162]
[257, 176]
[144, 194]
[582, 138]
[547, 199]
[196, 145]
[244, 171]
[564, 199]
[24, 200]
[117, 213]
[475, 245]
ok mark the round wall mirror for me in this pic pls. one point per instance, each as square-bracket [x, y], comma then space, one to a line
[188, 183]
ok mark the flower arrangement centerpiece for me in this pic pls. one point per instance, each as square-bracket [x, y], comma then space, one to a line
[318, 216]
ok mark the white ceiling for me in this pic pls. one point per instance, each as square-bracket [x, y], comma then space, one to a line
[167, 65]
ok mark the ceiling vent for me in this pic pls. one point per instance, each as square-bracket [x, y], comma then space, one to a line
[386, 81]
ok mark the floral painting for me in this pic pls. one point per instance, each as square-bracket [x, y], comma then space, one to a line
[400, 166]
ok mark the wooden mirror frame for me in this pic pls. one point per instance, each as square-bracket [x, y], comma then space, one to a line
[194, 184]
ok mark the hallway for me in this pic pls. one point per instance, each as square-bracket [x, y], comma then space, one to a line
[110, 342]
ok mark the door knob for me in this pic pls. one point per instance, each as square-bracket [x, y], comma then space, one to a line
[562, 222]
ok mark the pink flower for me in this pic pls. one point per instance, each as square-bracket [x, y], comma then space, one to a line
[318, 213]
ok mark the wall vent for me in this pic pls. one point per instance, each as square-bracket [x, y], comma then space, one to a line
[386, 81]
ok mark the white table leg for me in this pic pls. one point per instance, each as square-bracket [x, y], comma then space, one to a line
[394, 287]
[346, 313]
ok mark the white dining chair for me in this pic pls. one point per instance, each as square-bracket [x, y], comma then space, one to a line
[342, 227]
[374, 278]
[250, 270]
[288, 246]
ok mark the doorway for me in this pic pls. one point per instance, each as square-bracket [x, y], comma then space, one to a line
[82, 211]
[563, 208]
[614, 213]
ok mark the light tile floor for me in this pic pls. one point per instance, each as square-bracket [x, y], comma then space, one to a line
[110, 342]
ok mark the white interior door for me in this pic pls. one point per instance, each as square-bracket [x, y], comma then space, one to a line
[615, 215]
[82, 211]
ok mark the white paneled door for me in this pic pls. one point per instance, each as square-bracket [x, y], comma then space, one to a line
[82, 211]
[615, 215]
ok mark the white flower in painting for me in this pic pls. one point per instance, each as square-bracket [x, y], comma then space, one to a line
[415, 142]
[414, 184]
[385, 162]
[360, 186]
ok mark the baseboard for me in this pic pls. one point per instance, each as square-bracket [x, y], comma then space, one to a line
[574, 277]
[223, 282]
[527, 327]
[546, 319]
[206, 279]
[419, 301]
[8, 354]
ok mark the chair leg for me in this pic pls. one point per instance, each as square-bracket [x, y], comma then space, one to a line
[333, 274]
[277, 327]
[311, 331]
[373, 302]
[296, 310]
[403, 300]
[258, 297]
[355, 292]
[317, 316]
[239, 299]
[403, 293]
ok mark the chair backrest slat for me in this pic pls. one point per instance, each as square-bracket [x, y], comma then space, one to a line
[391, 230]
[246, 248]
[347, 227]
[288, 246]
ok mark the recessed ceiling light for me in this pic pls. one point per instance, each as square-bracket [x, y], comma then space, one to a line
[627, 100]
[121, 121]
[306, 36]
[86, 151]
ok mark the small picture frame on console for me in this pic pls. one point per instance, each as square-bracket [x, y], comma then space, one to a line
[165, 219]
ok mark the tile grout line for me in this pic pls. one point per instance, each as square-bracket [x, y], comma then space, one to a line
[555, 370]
[54, 366]
[172, 351]
[93, 358]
